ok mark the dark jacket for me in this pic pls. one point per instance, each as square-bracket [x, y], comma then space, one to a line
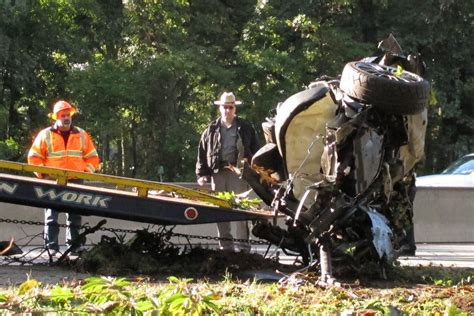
[210, 146]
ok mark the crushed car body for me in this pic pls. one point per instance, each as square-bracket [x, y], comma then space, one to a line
[340, 160]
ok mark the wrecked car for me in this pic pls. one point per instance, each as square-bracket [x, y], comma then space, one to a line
[339, 162]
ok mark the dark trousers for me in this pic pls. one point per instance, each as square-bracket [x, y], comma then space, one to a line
[51, 228]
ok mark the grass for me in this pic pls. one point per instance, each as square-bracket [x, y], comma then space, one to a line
[412, 291]
[153, 277]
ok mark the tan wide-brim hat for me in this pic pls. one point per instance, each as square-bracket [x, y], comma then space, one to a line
[227, 98]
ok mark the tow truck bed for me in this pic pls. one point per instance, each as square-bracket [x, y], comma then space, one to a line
[140, 205]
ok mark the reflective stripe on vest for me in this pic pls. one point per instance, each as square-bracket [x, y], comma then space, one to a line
[62, 153]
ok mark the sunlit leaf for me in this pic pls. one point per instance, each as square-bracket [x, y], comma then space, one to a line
[27, 286]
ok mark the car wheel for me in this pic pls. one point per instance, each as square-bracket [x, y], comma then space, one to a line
[379, 85]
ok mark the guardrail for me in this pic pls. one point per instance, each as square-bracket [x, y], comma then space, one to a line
[444, 214]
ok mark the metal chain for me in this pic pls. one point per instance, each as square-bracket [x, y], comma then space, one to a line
[255, 242]
[24, 222]
[132, 231]
[17, 221]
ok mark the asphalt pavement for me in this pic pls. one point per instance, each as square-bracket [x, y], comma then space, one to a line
[427, 254]
[445, 254]
[434, 254]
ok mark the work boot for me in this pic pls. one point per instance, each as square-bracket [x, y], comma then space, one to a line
[76, 252]
[52, 252]
[407, 244]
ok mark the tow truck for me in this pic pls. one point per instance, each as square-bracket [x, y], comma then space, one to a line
[126, 198]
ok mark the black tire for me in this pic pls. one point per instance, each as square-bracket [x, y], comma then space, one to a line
[380, 86]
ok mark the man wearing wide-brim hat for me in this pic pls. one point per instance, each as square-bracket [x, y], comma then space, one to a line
[225, 144]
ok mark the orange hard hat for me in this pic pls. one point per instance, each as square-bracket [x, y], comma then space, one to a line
[60, 106]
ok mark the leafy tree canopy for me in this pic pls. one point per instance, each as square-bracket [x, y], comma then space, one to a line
[144, 73]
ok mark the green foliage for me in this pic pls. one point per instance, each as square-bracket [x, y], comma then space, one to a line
[109, 295]
[238, 201]
[100, 290]
[181, 298]
[450, 127]
[61, 295]
[144, 73]
[28, 286]
[10, 149]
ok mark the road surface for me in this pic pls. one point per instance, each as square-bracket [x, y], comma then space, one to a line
[446, 255]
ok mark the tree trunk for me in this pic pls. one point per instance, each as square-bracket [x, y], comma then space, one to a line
[12, 114]
[105, 152]
[134, 150]
[367, 21]
[122, 154]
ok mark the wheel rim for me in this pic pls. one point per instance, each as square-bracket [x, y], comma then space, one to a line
[388, 72]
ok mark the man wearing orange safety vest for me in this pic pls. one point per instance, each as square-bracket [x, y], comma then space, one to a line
[66, 146]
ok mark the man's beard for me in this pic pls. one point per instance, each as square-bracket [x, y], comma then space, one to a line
[66, 124]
